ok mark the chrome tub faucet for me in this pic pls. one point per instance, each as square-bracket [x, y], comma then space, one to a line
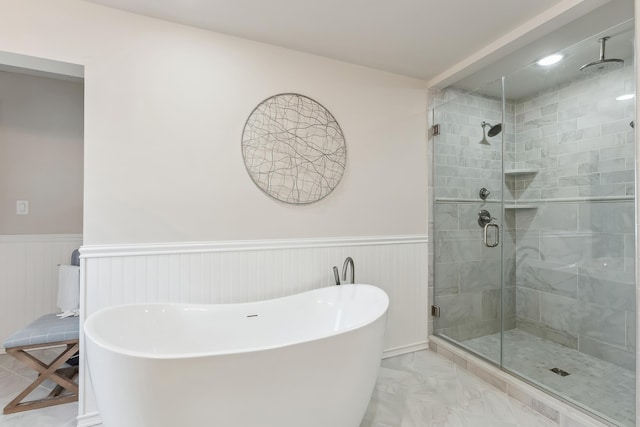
[348, 262]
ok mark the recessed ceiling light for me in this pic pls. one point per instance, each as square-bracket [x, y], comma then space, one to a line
[625, 97]
[550, 60]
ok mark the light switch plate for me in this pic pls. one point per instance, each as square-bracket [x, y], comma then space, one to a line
[22, 207]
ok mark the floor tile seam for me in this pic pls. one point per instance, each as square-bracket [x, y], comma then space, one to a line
[423, 399]
[494, 389]
[501, 394]
[511, 418]
[21, 375]
[487, 405]
[533, 413]
[29, 380]
[473, 413]
[482, 385]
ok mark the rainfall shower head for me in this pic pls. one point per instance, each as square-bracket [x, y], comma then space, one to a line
[602, 65]
[493, 131]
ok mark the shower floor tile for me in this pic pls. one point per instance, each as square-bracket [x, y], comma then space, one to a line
[603, 387]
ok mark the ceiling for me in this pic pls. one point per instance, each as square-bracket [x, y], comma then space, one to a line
[577, 42]
[416, 38]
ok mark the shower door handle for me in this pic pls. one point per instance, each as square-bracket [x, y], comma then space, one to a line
[486, 234]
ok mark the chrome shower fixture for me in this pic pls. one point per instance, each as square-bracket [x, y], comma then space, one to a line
[484, 193]
[493, 131]
[602, 65]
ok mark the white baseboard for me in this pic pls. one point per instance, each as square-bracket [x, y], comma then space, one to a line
[397, 351]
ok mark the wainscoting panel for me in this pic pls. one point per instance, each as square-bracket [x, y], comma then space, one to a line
[233, 272]
[29, 276]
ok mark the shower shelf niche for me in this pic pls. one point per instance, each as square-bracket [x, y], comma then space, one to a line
[519, 172]
[512, 174]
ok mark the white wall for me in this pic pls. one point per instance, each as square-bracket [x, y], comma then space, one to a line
[41, 154]
[164, 110]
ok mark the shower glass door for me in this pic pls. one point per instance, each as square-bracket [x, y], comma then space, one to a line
[468, 220]
[573, 221]
[538, 276]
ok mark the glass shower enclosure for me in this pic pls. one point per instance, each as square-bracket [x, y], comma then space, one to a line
[534, 236]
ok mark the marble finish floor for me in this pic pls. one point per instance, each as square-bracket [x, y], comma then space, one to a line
[602, 386]
[15, 377]
[424, 389]
[414, 390]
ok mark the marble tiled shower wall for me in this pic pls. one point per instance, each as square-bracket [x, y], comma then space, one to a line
[462, 165]
[575, 251]
[467, 286]
[578, 138]
[569, 243]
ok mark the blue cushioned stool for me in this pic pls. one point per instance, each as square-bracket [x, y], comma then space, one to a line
[45, 332]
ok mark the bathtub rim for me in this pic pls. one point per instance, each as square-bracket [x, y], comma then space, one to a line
[101, 342]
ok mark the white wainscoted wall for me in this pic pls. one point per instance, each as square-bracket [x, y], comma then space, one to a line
[243, 271]
[163, 121]
[29, 276]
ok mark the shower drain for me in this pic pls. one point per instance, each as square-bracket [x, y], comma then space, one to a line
[559, 372]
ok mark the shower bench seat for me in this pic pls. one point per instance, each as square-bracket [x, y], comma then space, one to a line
[46, 332]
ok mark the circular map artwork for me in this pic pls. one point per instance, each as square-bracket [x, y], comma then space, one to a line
[294, 149]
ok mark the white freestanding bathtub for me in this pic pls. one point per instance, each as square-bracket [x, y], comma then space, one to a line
[306, 360]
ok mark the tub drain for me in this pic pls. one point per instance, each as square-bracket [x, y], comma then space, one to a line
[559, 372]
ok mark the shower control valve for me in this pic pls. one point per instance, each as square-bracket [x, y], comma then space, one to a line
[484, 218]
[484, 193]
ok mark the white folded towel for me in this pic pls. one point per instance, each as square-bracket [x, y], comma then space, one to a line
[68, 290]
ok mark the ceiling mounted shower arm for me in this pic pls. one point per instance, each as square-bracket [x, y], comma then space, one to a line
[602, 64]
[603, 41]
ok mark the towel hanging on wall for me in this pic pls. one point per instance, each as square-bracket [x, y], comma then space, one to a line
[68, 290]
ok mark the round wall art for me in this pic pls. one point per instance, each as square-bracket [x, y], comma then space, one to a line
[294, 149]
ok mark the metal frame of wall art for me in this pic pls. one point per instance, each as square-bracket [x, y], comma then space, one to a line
[294, 149]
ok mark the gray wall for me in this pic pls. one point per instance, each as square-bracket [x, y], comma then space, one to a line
[41, 154]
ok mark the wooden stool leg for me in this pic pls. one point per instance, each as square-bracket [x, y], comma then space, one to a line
[63, 377]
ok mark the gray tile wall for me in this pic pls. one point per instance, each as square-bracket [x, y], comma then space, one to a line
[579, 139]
[575, 252]
[569, 261]
[467, 272]
[462, 165]
[575, 276]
